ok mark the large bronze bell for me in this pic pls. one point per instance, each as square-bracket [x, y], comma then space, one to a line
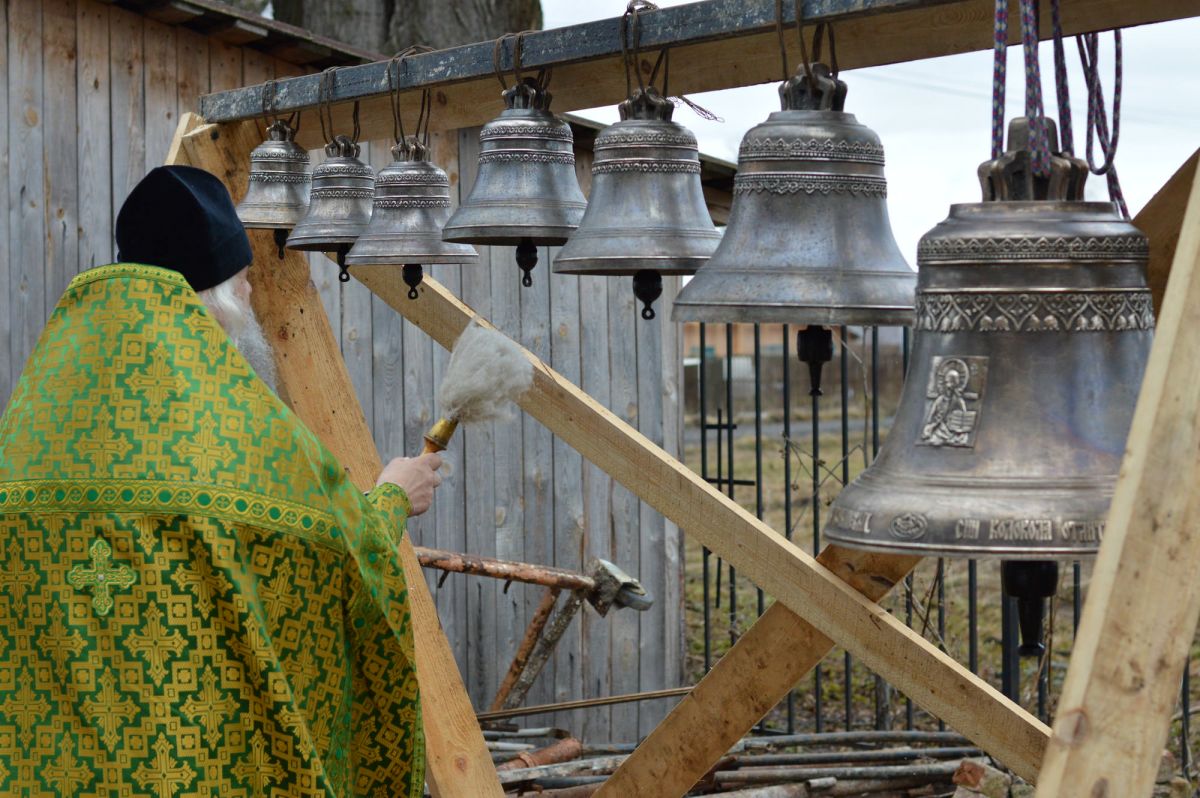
[525, 192]
[277, 196]
[339, 205]
[808, 240]
[1033, 327]
[412, 203]
[646, 216]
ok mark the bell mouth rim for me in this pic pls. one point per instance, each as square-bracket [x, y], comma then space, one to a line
[420, 260]
[963, 553]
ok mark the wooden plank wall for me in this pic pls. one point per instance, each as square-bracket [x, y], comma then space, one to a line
[93, 94]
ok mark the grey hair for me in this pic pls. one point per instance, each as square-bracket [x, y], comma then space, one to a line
[236, 317]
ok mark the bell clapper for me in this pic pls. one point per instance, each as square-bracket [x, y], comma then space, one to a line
[413, 274]
[527, 258]
[343, 275]
[281, 236]
[647, 287]
[814, 346]
[1030, 583]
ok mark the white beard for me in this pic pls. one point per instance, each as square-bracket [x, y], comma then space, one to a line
[236, 316]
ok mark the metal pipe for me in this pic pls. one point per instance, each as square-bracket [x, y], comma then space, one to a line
[865, 737]
[940, 770]
[846, 757]
[583, 703]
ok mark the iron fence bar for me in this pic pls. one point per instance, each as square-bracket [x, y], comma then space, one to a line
[759, 504]
[908, 580]
[941, 615]
[787, 484]
[705, 555]
[973, 615]
[883, 712]
[848, 663]
[730, 487]
[1185, 725]
[818, 703]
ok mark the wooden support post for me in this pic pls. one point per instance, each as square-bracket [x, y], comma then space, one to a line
[753, 676]
[1143, 601]
[315, 383]
[1162, 220]
[833, 608]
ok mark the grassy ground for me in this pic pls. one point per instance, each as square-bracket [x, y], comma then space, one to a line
[732, 611]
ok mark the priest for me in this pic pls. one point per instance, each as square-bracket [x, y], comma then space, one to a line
[194, 599]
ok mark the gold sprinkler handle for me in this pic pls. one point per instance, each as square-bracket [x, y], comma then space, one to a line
[439, 435]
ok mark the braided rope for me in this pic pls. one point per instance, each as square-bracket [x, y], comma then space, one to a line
[1065, 127]
[1034, 109]
[999, 76]
[1097, 124]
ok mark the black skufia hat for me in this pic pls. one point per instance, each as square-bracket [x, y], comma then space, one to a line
[182, 218]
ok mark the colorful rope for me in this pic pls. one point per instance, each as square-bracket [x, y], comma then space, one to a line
[999, 76]
[1097, 124]
[1034, 109]
[1065, 127]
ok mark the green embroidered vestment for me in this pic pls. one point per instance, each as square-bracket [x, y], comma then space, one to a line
[194, 600]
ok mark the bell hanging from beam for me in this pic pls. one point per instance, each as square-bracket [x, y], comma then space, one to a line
[339, 208]
[277, 195]
[808, 240]
[646, 215]
[525, 194]
[1033, 327]
[412, 201]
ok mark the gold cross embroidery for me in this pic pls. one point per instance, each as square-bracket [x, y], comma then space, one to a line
[109, 709]
[209, 708]
[164, 775]
[206, 449]
[154, 644]
[102, 577]
[156, 382]
[258, 768]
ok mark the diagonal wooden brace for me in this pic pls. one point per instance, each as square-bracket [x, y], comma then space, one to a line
[833, 608]
[314, 381]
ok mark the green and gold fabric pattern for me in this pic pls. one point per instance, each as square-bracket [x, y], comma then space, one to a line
[194, 600]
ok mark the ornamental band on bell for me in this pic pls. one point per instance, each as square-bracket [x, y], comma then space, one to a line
[952, 400]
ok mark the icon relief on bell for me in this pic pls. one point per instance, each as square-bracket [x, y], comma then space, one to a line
[952, 401]
[909, 526]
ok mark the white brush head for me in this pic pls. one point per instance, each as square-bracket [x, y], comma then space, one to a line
[486, 372]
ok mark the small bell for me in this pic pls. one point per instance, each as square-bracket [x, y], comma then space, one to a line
[1034, 324]
[340, 203]
[277, 196]
[525, 193]
[412, 203]
[808, 240]
[646, 216]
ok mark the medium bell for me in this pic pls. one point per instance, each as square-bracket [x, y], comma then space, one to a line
[808, 240]
[340, 203]
[646, 216]
[1033, 328]
[277, 197]
[412, 203]
[525, 192]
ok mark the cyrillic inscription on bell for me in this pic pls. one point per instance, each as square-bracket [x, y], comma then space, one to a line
[1033, 328]
[525, 192]
[808, 240]
[646, 216]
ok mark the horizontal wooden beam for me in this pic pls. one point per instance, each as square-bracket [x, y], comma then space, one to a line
[716, 44]
[833, 608]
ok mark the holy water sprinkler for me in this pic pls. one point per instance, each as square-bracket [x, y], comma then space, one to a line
[487, 371]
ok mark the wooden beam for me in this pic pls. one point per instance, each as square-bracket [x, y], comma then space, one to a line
[1143, 601]
[744, 685]
[314, 382]
[833, 608]
[1161, 220]
[717, 44]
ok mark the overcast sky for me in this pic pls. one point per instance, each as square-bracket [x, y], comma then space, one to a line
[934, 115]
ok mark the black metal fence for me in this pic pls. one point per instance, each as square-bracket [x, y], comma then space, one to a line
[755, 433]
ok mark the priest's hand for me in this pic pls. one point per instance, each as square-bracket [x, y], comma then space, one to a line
[417, 476]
